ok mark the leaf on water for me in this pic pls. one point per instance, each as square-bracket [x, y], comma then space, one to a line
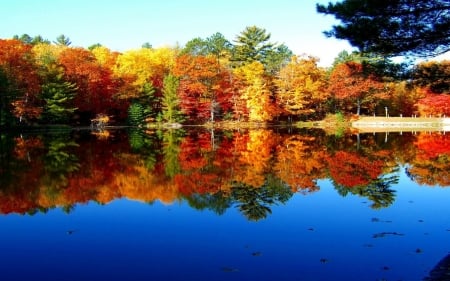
[71, 231]
[384, 234]
[229, 269]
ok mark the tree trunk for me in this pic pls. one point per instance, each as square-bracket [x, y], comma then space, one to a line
[358, 107]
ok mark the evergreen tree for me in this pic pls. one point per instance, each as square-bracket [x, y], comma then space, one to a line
[170, 101]
[392, 28]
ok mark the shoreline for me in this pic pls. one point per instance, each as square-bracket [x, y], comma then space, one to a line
[400, 124]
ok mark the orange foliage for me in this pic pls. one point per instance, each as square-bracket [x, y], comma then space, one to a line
[254, 160]
[348, 81]
[198, 76]
[353, 170]
[298, 165]
[16, 60]
[434, 104]
[96, 86]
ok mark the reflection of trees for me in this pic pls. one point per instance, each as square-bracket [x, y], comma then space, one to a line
[299, 163]
[431, 165]
[251, 170]
[60, 162]
[217, 202]
[378, 191]
[171, 151]
[143, 144]
[254, 202]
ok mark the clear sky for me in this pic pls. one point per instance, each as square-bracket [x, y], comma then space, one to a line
[126, 24]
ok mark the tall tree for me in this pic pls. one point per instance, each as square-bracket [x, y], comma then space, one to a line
[300, 86]
[255, 91]
[252, 44]
[63, 40]
[170, 100]
[392, 28]
[198, 76]
[20, 81]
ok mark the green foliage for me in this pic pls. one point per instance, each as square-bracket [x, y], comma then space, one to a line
[170, 101]
[60, 162]
[255, 203]
[93, 46]
[147, 45]
[143, 144]
[58, 96]
[392, 28]
[136, 114]
[171, 151]
[62, 40]
[253, 45]
[218, 202]
[27, 39]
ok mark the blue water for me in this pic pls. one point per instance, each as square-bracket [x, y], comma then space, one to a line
[319, 236]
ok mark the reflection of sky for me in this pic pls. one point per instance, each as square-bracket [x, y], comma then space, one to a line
[321, 236]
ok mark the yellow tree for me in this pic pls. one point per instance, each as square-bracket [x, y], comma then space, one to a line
[141, 73]
[256, 92]
[140, 67]
[105, 57]
[300, 86]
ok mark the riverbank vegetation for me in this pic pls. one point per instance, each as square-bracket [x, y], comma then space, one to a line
[248, 80]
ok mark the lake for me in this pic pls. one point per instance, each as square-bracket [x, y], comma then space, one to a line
[196, 204]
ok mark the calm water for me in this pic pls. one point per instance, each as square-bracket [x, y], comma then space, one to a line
[225, 205]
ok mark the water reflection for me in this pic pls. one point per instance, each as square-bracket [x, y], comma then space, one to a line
[251, 170]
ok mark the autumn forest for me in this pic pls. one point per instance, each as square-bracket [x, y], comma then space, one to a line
[209, 79]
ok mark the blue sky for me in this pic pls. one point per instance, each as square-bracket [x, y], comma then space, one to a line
[124, 25]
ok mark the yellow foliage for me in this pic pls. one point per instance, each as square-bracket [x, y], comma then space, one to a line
[255, 92]
[253, 162]
[141, 65]
[300, 84]
[45, 53]
[138, 183]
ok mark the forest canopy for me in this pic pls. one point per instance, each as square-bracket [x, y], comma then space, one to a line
[213, 79]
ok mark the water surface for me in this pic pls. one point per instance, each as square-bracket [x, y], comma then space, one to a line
[278, 204]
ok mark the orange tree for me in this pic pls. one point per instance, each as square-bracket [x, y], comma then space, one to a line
[19, 83]
[351, 83]
[96, 86]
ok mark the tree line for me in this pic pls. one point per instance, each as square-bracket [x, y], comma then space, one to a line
[209, 79]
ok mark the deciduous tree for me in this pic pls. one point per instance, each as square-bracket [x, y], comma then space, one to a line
[301, 86]
[350, 82]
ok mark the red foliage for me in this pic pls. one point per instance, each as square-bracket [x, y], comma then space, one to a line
[351, 170]
[16, 60]
[96, 86]
[434, 104]
[431, 146]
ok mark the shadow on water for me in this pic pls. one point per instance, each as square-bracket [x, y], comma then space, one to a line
[441, 272]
